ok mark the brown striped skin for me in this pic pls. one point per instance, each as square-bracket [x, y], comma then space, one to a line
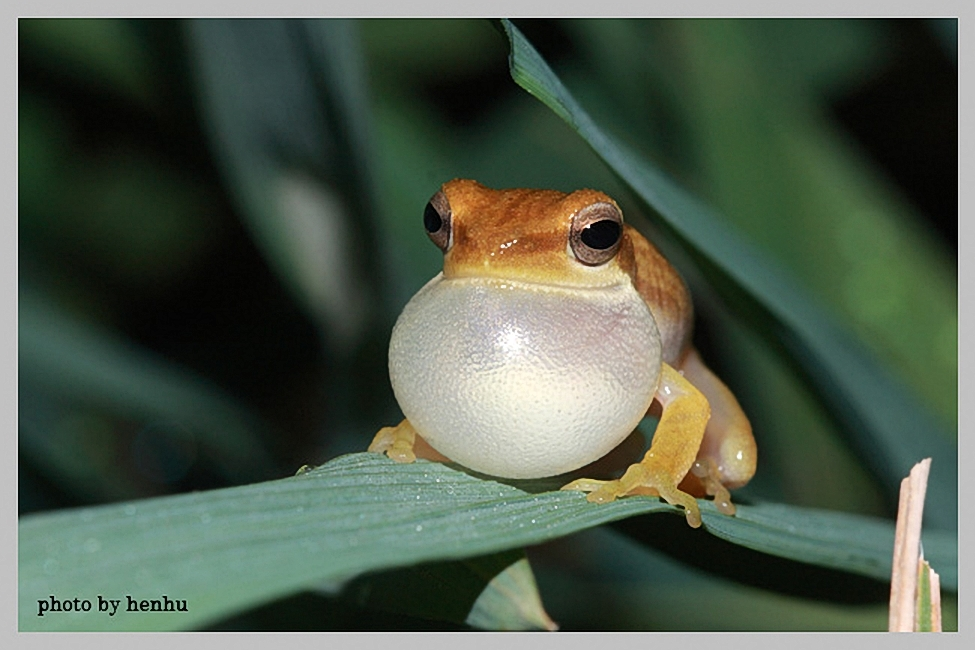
[662, 289]
[519, 235]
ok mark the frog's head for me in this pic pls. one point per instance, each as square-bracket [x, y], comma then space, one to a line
[536, 236]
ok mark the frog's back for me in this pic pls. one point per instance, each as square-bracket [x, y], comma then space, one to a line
[664, 292]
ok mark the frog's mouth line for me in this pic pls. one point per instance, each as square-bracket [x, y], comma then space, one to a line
[622, 282]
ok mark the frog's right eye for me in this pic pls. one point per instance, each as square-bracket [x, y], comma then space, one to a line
[597, 232]
[436, 219]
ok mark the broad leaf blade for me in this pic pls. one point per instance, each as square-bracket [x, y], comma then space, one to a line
[226, 550]
[891, 430]
[858, 544]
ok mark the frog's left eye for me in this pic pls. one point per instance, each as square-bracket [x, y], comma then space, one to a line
[597, 231]
[437, 220]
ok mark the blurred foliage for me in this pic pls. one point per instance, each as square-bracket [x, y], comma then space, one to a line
[219, 221]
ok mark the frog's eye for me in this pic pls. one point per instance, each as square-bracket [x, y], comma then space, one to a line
[436, 219]
[597, 231]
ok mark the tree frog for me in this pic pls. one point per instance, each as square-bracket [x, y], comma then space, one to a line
[551, 331]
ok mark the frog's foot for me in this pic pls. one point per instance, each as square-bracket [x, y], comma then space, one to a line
[396, 442]
[640, 478]
[706, 471]
[684, 416]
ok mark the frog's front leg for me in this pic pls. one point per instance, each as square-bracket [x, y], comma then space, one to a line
[672, 453]
[404, 445]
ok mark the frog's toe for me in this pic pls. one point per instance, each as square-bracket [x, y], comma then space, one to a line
[396, 442]
[585, 485]
[675, 497]
[606, 493]
[706, 471]
[599, 491]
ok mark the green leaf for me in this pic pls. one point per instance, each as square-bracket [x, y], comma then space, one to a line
[862, 545]
[890, 429]
[225, 550]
